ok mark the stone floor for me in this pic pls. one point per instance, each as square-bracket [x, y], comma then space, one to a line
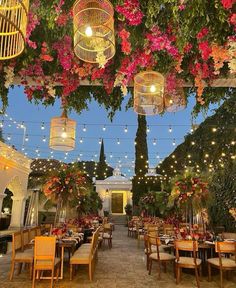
[122, 266]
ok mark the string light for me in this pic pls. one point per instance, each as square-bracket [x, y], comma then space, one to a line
[84, 128]
[148, 129]
[126, 129]
[170, 129]
[26, 138]
[42, 126]
[100, 141]
[173, 143]
[104, 128]
[44, 138]
[154, 142]
[118, 141]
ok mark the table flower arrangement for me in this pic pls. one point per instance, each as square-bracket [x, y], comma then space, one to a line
[232, 212]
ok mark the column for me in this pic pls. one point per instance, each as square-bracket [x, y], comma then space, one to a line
[2, 196]
[18, 210]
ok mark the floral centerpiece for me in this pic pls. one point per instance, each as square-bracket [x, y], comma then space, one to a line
[64, 187]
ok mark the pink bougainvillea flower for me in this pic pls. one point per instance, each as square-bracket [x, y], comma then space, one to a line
[46, 57]
[125, 44]
[228, 4]
[188, 47]
[131, 11]
[202, 33]
[232, 19]
[62, 20]
[205, 50]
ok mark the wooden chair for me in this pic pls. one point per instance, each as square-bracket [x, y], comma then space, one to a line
[229, 235]
[86, 255]
[168, 228]
[32, 233]
[19, 256]
[25, 240]
[38, 231]
[107, 234]
[160, 257]
[187, 262]
[44, 257]
[223, 263]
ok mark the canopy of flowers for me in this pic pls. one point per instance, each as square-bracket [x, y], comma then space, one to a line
[194, 40]
[189, 190]
[65, 186]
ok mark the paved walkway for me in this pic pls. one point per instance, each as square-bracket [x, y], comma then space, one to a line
[122, 266]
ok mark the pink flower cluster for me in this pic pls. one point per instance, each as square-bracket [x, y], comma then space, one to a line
[33, 21]
[64, 51]
[58, 7]
[228, 4]
[125, 44]
[205, 50]
[131, 11]
[159, 41]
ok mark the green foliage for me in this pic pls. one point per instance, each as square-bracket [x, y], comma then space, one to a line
[102, 167]
[223, 189]
[128, 209]
[154, 203]
[1, 136]
[141, 160]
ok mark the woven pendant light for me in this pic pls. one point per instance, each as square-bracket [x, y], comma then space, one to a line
[175, 101]
[62, 133]
[94, 38]
[13, 24]
[148, 93]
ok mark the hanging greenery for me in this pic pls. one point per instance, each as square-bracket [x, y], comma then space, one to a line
[195, 40]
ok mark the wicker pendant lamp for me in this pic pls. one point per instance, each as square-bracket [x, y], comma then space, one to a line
[62, 133]
[175, 101]
[13, 24]
[94, 37]
[148, 93]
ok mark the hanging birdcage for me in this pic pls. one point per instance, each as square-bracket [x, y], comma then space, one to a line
[174, 101]
[148, 93]
[62, 133]
[13, 24]
[94, 37]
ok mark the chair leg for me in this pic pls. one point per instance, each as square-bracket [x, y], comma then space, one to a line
[31, 270]
[177, 274]
[147, 262]
[12, 269]
[150, 266]
[197, 277]
[164, 266]
[159, 270]
[52, 278]
[221, 278]
[71, 271]
[90, 271]
[34, 275]
[209, 272]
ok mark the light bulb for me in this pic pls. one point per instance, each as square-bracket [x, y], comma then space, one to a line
[88, 31]
[153, 88]
[64, 135]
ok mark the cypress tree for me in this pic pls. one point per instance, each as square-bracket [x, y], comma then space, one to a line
[102, 165]
[141, 160]
[1, 136]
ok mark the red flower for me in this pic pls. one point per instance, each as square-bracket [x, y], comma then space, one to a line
[202, 33]
[228, 4]
[205, 50]
[232, 19]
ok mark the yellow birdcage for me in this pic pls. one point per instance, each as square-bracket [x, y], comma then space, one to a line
[62, 133]
[148, 93]
[175, 101]
[94, 37]
[13, 24]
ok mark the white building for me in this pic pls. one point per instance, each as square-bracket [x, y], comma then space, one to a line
[115, 191]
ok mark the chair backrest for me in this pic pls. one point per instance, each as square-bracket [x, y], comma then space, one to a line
[186, 245]
[44, 250]
[25, 238]
[226, 247]
[16, 242]
[107, 228]
[152, 228]
[38, 231]
[228, 235]
[32, 233]
[154, 241]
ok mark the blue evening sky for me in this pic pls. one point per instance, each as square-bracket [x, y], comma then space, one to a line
[94, 119]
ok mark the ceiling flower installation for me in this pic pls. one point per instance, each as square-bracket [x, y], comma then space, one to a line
[193, 41]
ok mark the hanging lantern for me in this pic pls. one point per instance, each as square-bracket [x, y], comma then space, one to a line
[175, 101]
[62, 133]
[13, 23]
[148, 93]
[94, 38]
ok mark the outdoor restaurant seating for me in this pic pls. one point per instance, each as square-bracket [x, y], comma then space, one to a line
[223, 262]
[44, 257]
[19, 255]
[191, 262]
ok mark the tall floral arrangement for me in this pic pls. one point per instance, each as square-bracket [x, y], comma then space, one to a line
[65, 186]
[189, 190]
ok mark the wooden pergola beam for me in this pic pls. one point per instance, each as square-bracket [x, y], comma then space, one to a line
[221, 82]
